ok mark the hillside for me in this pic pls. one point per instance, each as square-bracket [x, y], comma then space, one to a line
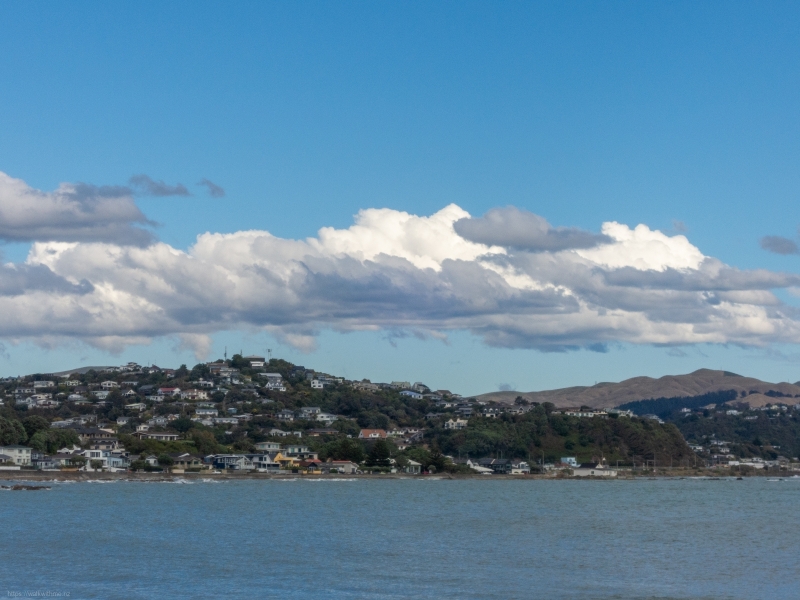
[608, 395]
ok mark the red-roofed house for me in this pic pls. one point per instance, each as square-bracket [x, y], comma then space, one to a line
[372, 434]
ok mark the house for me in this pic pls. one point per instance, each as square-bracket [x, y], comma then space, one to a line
[206, 412]
[168, 391]
[316, 384]
[47, 403]
[256, 362]
[499, 466]
[43, 384]
[300, 452]
[585, 413]
[101, 394]
[285, 415]
[321, 431]
[413, 468]
[340, 466]
[310, 411]
[456, 424]
[72, 383]
[268, 446]
[372, 434]
[464, 410]
[194, 395]
[519, 467]
[400, 385]
[186, 461]
[593, 469]
[365, 386]
[569, 460]
[137, 406]
[109, 385]
[123, 420]
[411, 394]
[326, 418]
[93, 434]
[232, 462]
[161, 436]
[277, 433]
[265, 462]
[159, 421]
[19, 455]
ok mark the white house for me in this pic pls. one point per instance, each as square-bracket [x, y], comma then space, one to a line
[316, 384]
[593, 470]
[43, 384]
[20, 455]
[411, 394]
[456, 424]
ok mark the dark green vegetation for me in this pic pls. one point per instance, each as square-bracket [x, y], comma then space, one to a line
[765, 434]
[663, 407]
[542, 433]
[35, 432]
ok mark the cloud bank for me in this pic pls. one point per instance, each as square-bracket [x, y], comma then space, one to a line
[508, 277]
[75, 212]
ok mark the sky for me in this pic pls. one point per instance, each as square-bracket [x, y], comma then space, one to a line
[476, 195]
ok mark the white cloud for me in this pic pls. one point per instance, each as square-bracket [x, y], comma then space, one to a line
[397, 272]
[73, 212]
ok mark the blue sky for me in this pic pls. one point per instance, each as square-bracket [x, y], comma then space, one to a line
[677, 116]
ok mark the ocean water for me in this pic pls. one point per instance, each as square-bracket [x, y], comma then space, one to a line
[410, 538]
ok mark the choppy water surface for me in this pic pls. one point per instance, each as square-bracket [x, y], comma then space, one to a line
[404, 539]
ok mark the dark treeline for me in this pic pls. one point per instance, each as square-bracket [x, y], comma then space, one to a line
[663, 407]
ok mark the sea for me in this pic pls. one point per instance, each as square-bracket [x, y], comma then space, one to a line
[403, 538]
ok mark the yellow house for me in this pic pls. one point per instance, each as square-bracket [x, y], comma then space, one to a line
[286, 462]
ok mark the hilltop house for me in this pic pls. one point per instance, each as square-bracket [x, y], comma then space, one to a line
[372, 434]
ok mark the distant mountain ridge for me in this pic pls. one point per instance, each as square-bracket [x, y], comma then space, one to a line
[702, 381]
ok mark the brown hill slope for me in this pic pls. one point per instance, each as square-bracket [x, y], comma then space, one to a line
[607, 395]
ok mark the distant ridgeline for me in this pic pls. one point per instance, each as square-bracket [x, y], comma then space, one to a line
[663, 407]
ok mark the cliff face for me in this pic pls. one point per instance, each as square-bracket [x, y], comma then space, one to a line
[608, 395]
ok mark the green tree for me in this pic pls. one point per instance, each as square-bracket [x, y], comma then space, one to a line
[200, 371]
[34, 424]
[205, 442]
[379, 454]
[12, 432]
[165, 460]
[182, 425]
[96, 464]
[344, 449]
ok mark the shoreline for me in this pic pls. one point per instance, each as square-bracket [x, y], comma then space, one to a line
[75, 476]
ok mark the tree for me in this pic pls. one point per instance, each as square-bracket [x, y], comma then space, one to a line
[12, 432]
[182, 425]
[34, 424]
[200, 371]
[345, 449]
[165, 460]
[96, 464]
[205, 442]
[379, 454]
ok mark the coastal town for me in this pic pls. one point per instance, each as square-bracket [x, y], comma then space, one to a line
[251, 414]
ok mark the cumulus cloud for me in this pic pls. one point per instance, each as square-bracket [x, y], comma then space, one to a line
[523, 230]
[145, 185]
[74, 212]
[779, 245]
[396, 272]
[214, 190]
